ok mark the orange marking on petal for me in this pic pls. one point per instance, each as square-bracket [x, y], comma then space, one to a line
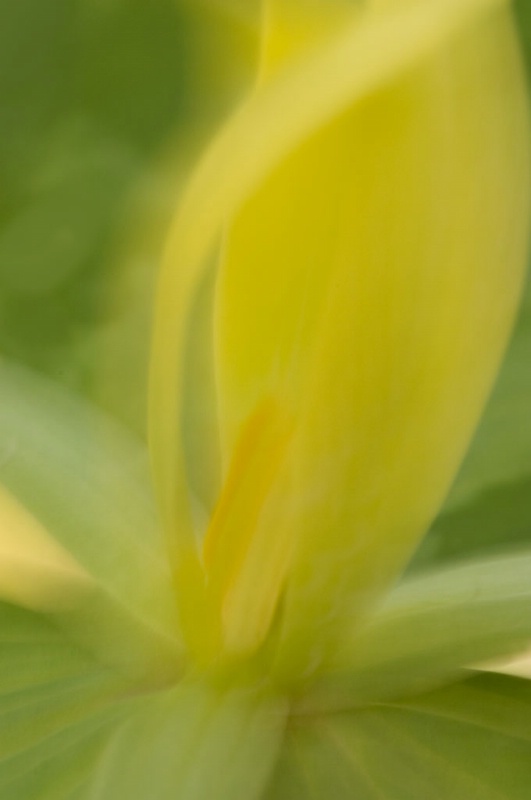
[255, 465]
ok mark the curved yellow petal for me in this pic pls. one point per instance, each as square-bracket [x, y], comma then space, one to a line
[349, 68]
[369, 285]
[337, 304]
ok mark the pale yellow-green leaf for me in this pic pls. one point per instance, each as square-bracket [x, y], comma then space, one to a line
[78, 533]
[86, 480]
[192, 743]
[38, 574]
[429, 628]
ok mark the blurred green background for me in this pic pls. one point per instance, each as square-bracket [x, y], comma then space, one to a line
[104, 105]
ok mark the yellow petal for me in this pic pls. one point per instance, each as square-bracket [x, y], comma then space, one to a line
[349, 68]
[292, 26]
[376, 194]
[35, 572]
[237, 545]
[369, 285]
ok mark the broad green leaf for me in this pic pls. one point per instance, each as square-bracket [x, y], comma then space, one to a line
[471, 740]
[87, 482]
[57, 705]
[429, 628]
[192, 743]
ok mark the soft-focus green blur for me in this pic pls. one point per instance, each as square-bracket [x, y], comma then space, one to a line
[104, 104]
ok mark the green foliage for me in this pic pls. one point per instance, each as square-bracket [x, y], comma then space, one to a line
[472, 739]
[55, 709]
[88, 482]
[489, 508]
[192, 742]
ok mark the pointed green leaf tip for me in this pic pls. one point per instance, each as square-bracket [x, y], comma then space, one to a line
[372, 196]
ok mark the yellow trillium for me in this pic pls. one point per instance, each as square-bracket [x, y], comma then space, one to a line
[335, 299]
[345, 268]
[347, 261]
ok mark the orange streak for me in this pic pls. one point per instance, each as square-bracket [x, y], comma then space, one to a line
[255, 464]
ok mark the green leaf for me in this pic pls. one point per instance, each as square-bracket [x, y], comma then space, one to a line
[57, 705]
[489, 507]
[501, 449]
[430, 627]
[495, 521]
[471, 740]
[87, 481]
[247, 11]
[192, 743]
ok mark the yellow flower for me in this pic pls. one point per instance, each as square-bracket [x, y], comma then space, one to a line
[361, 222]
[336, 296]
